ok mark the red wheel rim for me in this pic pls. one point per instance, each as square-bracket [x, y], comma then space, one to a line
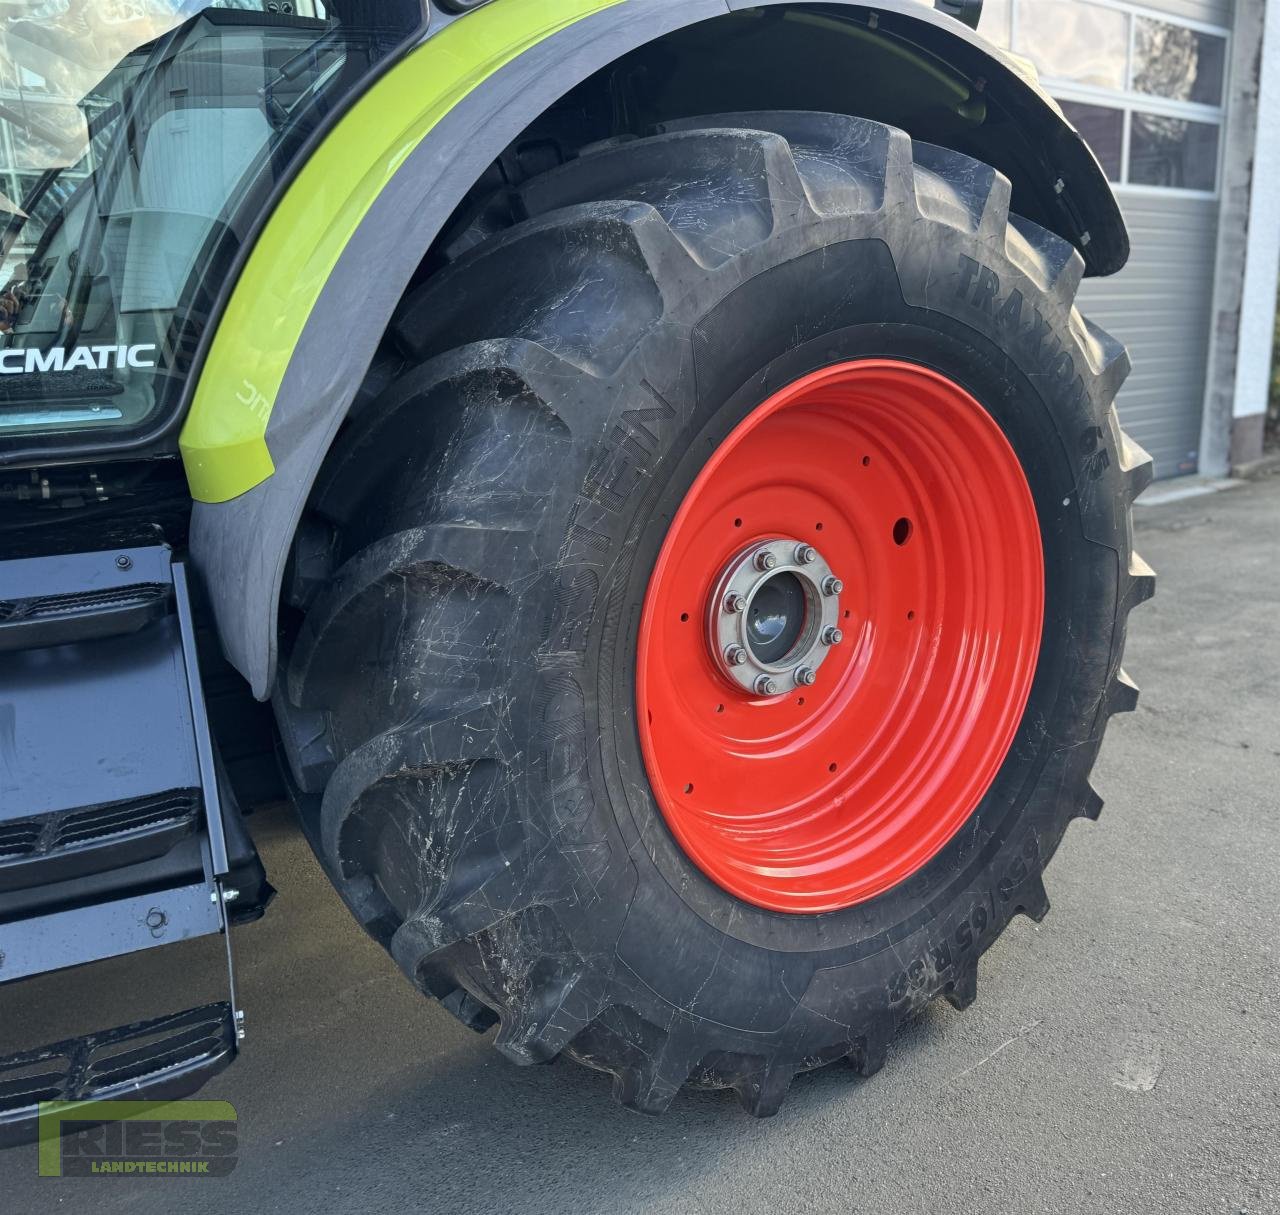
[821, 797]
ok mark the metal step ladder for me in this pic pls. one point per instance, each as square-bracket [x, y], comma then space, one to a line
[114, 835]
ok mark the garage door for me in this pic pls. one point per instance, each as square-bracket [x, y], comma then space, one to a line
[1160, 306]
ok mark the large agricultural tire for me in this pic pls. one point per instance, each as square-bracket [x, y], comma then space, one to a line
[498, 548]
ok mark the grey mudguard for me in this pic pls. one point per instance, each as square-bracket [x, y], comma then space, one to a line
[241, 547]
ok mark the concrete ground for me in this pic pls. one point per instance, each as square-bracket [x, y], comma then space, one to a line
[1122, 1057]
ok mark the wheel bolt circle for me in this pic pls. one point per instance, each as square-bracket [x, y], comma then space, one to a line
[735, 639]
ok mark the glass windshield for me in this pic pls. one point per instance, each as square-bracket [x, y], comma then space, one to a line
[139, 140]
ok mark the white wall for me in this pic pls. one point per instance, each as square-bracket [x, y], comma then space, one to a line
[1262, 257]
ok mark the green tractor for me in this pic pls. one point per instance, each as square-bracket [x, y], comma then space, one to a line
[631, 471]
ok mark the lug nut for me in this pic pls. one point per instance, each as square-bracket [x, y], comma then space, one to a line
[806, 677]
[832, 585]
[806, 554]
[765, 686]
[832, 636]
[734, 602]
[735, 656]
[765, 561]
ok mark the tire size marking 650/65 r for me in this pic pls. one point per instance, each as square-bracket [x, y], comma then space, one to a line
[965, 933]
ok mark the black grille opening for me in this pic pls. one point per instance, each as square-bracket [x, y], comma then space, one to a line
[131, 1061]
[18, 839]
[41, 1080]
[101, 821]
[50, 833]
[50, 606]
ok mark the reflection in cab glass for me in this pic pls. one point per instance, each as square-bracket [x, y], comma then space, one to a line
[139, 140]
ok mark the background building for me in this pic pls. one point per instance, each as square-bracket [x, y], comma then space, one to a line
[1181, 102]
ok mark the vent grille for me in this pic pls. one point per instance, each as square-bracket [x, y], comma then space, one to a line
[51, 833]
[102, 1065]
[18, 839]
[52, 606]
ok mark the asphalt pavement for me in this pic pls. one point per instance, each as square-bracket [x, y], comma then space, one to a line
[1122, 1057]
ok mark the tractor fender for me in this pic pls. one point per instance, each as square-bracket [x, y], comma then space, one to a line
[317, 292]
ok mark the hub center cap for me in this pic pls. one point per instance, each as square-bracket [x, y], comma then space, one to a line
[773, 617]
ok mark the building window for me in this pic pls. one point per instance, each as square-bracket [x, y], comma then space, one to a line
[1177, 62]
[1172, 152]
[1147, 93]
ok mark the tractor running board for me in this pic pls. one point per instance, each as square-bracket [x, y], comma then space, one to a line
[115, 835]
[109, 783]
[158, 1060]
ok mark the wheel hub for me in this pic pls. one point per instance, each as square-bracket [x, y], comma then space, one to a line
[773, 617]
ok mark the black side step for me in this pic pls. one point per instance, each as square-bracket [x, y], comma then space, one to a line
[109, 784]
[70, 844]
[115, 833]
[47, 601]
[162, 1059]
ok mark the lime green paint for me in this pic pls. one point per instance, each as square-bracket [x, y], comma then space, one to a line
[224, 439]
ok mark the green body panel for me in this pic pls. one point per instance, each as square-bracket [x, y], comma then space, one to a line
[223, 441]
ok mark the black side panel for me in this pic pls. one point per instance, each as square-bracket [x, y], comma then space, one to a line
[105, 790]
